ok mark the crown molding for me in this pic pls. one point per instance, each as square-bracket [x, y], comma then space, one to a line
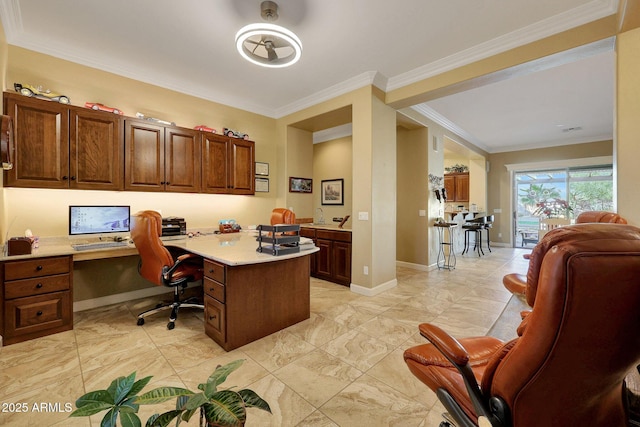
[556, 24]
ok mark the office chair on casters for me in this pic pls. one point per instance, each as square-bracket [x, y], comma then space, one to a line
[568, 364]
[282, 216]
[164, 266]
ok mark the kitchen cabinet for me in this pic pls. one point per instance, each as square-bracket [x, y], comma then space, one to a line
[61, 146]
[161, 158]
[227, 165]
[214, 301]
[457, 187]
[333, 261]
[36, 298]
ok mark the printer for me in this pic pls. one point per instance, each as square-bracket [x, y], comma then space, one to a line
[173, 226]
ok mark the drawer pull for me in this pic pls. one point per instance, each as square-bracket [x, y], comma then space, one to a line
[38, 268]
[39, 313]
[211, 270]
[212, 317]
[39, 285]
[210, 289]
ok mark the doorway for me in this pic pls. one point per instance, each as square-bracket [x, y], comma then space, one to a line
[557, 193]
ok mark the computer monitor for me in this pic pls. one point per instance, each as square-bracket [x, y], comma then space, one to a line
[98, 219]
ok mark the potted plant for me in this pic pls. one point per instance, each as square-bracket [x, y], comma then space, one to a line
[218, 408]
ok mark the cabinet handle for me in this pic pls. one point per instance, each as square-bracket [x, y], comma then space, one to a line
[38, 268]
[39, 313]
[168, 183]
[212, 317]
[65, 177]
[162, 183]
[73, 178]
[39, 285]
[210, 289]
[211, 271]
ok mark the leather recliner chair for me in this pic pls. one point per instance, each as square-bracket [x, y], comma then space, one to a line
[516, 283]
[568, 365]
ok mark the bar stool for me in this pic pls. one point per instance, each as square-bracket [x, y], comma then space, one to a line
[487, 226]
[475, 226]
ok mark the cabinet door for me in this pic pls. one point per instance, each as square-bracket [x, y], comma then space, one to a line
[462, 188]
[182, 160]
[96, 151]
[41, 140]
[215, 171]
[144, 156]
[342, 262]
[242, 166]
[450, 187]
[324, 259]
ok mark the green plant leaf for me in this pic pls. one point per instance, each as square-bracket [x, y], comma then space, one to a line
[226, 408]
[99, 396]
[161, 394]
[139, 385]
[121, 386]
[90, 408]
[252, 400]
[129, 405]
[195, 401]
[163, 420]
[110, 418]
[187, 414]
[222, 372]
[129, 419]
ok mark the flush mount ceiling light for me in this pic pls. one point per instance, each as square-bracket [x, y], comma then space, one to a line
[267, 44]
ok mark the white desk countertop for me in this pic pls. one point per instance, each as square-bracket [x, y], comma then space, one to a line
[230, 249]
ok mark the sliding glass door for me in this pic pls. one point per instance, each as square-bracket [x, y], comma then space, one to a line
[557, 193]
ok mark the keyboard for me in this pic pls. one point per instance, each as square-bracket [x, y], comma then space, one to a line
[98, 245]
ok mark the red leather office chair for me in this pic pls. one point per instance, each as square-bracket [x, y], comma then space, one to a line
[282, 216]
[568, 365]
[517, 283]
[164, 266]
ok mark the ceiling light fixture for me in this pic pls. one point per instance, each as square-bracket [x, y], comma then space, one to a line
[267, 44]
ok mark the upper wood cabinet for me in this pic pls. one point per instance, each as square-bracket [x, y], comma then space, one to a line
[457, 186]
[227, 165]
[60, 146]
[161, 158]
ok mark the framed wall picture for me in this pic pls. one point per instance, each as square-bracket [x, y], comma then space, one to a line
[300, 185]
[262, 169]
[332, 192]
[262, 185]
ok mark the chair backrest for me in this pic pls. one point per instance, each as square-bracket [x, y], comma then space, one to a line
[146, 229]
[581, 338]
[282, 216]
[600, 216]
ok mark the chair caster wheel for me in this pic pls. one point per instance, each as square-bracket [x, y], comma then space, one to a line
[445, 424]
[140, 321]
[171, 325]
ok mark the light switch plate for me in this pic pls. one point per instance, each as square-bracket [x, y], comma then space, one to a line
[363, 216]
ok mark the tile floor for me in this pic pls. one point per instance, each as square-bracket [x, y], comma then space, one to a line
[341, 367]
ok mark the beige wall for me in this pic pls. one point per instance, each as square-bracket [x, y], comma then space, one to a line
[412, 238]
[499, 178]
[333, 160]
[627, 137]
[23, 207]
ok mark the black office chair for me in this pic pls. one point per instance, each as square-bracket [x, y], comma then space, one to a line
[162, 267]
[474, 226]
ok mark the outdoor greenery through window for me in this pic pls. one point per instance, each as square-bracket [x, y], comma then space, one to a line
[558, 193]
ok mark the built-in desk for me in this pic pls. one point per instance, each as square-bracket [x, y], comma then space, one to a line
[248, 295]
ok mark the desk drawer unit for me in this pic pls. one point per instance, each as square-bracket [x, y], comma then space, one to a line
[37, 298]
[214, 300]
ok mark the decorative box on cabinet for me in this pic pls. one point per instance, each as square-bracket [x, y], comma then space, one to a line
[457, 187]
[161, 158]
[37, 298]
[227, 165]
[333, 261]
[61, 146]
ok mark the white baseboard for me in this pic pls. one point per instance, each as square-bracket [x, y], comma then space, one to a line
[374, 291]
[414, 266]
[124, 297]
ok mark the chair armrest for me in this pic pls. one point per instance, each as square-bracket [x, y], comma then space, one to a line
[459, 357]
[167, 273]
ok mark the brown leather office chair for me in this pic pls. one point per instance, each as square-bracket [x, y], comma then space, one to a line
[164, 266]
[568, 365]
[282, 216]
[517, 283]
